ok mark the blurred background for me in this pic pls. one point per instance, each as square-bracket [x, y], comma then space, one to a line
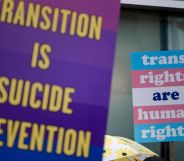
[144, 26]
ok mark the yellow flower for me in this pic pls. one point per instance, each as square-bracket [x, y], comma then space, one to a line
[108, 141]
[108, 152]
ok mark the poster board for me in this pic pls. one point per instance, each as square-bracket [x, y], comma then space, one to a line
[158, 92]
[56, 60]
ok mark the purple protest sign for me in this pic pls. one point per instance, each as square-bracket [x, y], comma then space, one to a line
[56, 60]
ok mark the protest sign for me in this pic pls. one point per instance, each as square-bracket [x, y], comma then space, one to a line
[158, 96]
[56, 60]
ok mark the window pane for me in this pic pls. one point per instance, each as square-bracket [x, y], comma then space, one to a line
[139, 31]
[176, 42]
[176, 33]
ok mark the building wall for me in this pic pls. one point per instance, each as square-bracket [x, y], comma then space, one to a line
[139, 31]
